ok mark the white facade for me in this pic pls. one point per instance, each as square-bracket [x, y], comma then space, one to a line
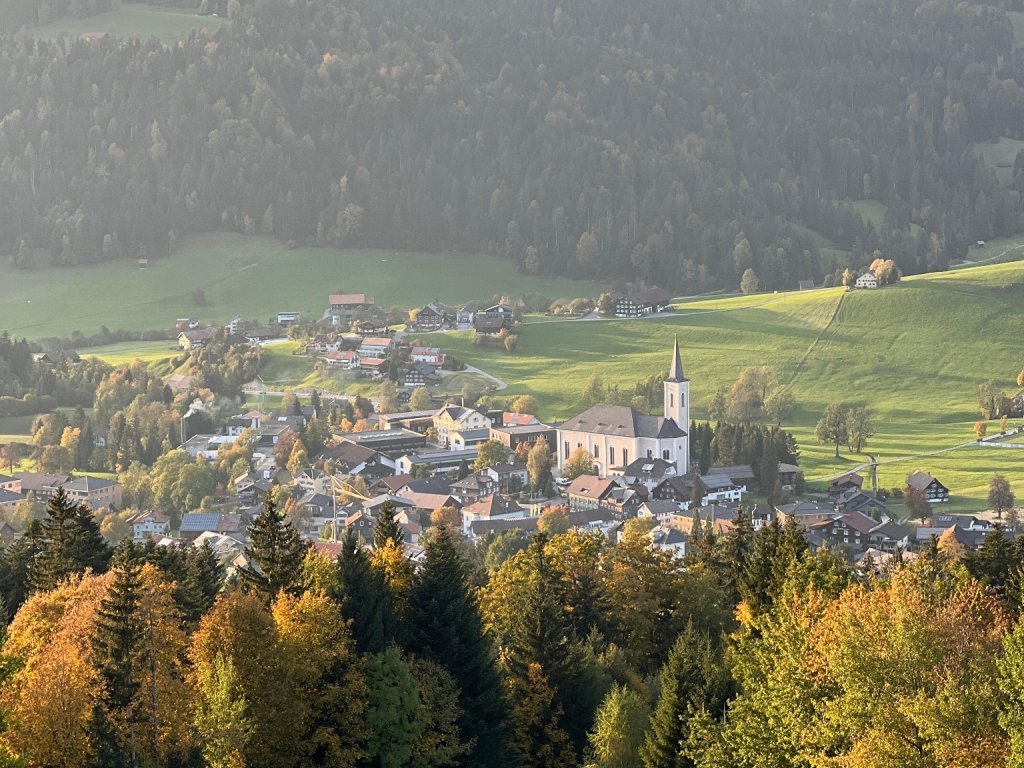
[867, 280]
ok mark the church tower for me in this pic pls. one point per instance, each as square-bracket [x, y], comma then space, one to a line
[677, 405]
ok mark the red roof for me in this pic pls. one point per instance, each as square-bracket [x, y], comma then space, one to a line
[350, 298]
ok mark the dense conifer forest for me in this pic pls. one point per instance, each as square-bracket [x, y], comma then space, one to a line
[674, 142]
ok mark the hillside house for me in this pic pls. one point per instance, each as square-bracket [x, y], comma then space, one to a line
[789, 476]
[850, 481]
[435, 316]
[287, 318]
[346, 305]
[195, 339]
[589, 492]
[641, 301]
[429, 355]
[934, 491]
[97, 492]
[867, 280]
[345, 361]
[494, 320]
[195, 523]
[375, 367]
[147, 525]
[495, 507]
[376, 346]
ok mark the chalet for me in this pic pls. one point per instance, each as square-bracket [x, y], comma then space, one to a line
[456, 418]
[888, 537]
[475, 487]
[313, 480]
[509, 476]
[435, 316]
[788, 476]
[429, 355]
[850, 481]
[236, 325]
[8, 533]
[849, 530]
[195, 339]
[146, 525]
[624, 503]
[419, 375]
[322, 343]
[805, 285]
[346, 361]
[934, 491]
[59, 357]
[677, 488]
[362, 521]
[648, 472]
[494, 319]
[858, 501]
[344, 305]
[494, 507]
[179, 382]
[721, 488]
[661, 510]
[588, 492]
[644, 301]
[867, 280]
[376, 346]
[966, 522]
[374, 366]
[428, 502]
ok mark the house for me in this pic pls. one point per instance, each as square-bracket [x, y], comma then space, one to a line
[195, 339]
[467, 438]
[414, 421]
[435, 316]
[648, 472]
[510, 476]
[742, 475]
[346, 361]
[363, 522]
[147, 525]
[671, 540]
[642, 301]
[344, 305]
[376, 367]
[514, 436]
[478, 529]
[850, 481]
[721, 488]
[662, 510]
[966, 522]
[195, 523]
[888, 537]
[615, 435]
[788, 476]
[858, 501]
[934, 491]
[40, 484]
[8, 533]
[805, 513]
[457, 418]
[376, 346]
[429, 355]
[494, 507]
[419, 374]
[9, 499]
[867, 280]
[10, 484]
[287, 318]
[97, 492]
[677, 488]
[849, 530]
[625, 503]
[260, 335]
[475, 487]
[588, 491]
[493, 320]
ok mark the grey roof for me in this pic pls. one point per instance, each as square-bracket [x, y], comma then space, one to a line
[675, 373]
[88, 484]
[716, 481]
[734, 472]
[209, 521]
[662, 506]
[654, 468]
[37, 481]
[622, 421]
[8, 497]
[483, 527]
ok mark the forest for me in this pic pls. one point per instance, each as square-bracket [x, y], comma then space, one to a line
[675, 143]
[556, 650]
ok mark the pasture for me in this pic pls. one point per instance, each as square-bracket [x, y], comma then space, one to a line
[132, 20]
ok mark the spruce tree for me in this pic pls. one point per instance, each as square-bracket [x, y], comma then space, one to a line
[386, 529]
[691, 680]
[756, 582]
[364, 597]
[445, 627]
[70, 543]
[203, 580]
[275, 553]
[17, 559]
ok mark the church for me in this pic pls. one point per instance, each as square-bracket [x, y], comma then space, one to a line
[616, 435]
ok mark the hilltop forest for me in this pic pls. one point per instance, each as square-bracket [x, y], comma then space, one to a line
[677, 143]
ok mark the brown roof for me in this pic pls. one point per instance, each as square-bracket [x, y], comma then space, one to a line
[492, 506]
[919, 480]
[590, 487]
[350, 298]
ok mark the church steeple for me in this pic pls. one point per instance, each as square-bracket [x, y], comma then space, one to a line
[675, 373]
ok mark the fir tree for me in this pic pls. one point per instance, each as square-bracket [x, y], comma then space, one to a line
[275, 553]
[386, 529]
[445, 627]
[71, 542]
[203, 580]
[756, 581]
[692, 679]
[17, 560]
[365, 600]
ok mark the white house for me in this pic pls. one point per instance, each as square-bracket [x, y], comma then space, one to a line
[431, 355]
[867, 280]
[457, 418]
[148, 524]
[617, 435]
[376, 347]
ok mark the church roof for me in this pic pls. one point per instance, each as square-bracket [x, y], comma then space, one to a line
[622, 421]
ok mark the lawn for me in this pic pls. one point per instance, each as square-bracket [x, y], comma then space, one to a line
[132, 20]
[16, 429]
[915, 353]
[125, 352]
[254, 277]
[1000, 156]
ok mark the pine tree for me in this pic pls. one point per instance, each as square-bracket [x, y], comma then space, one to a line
[364, 597]
[692, 679]
[203, 580]
[386, 529]
[17, 559]
[275, 553]
[445, 627]
[71, 542]
[757, 578]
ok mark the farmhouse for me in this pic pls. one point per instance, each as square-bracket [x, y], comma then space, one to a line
[344, 305]
[644, 301]
[867, 280]
[195, 339]
[934, 491]
[148, 524]
[588, 492]
[494, 319]
[374, 366]
[435, 316]
[850, 481]
[376, 346]
[430, 355]
[346, 361]
[616, 435]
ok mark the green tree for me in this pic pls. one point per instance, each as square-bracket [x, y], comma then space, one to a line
[445, 627]
[779, 405]
[275, 553]
[365, 600]
[71, 542]
[220, 715]
[860, 427]
[833, 427]
[618, 732]
[538, 465]
[490, 453]
[420, 399]
[386, 530]
[393, 712]
[990, 399]
[594, 391]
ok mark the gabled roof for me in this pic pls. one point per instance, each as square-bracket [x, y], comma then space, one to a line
[142, 517]
[590, 487]
[622, 421]
[88, 484]
[210, 521]
[350, 298]
[920, 480]
[377, 341]
[849, 477]
[9, 497]
[494, 505]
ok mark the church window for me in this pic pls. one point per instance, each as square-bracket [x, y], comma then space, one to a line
[664, 454]
[596, 454]
[567, 449]
[671, 400]
[611, 455]
[625, 457]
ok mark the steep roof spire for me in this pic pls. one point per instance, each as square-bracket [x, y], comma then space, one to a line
[675, 373]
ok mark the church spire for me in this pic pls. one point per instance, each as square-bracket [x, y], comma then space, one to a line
[675, 373]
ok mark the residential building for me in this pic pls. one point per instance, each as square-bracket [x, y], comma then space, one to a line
[195, 339]
[867, 280]
[642, 301]
[430, 355]
[346, 361]
[648, 472]
[10, 483]
[435, 461]
[287, 318]
[494, 507]
[457, 418]
[616, 435]
[514, 436]
[934, 491]
[435, 316]
[494, 320]
[345, 305]
[475, 487]
[376, 346]
[195, 523]
[97, 492]
[462, 439]
[846, 482]
[146, 525]
[376, 367]
[589, 491]
[9, 499]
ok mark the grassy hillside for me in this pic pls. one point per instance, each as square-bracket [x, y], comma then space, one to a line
[1000, 156]
[133, 20]
[251, 276]
[915, 353]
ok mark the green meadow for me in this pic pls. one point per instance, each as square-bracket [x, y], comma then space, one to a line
[254, 277]
[132, 20]
[915, 353]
